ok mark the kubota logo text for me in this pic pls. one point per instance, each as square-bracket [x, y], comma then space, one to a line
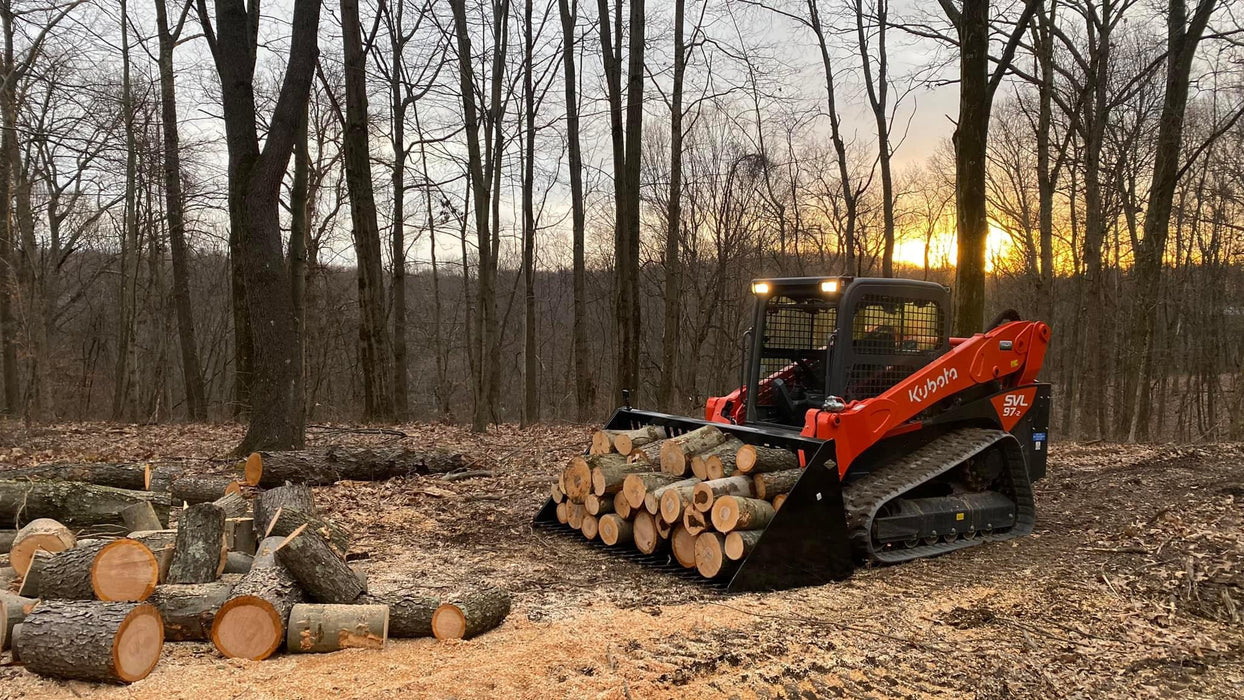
[921, 392]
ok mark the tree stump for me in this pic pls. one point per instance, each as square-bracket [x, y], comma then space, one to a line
[199, 553]
[92, 641]
[251, 624]
[768, 485]
[140, 516]
[410, 614]
[296, 496]
[317, 567]
[188, 609]
[113, 570]
[13, 609]
[317, 627]
[737, 513]
[470, 613]
[42, 533]
[754, 459]
[707, 492]
[614, 530]
[287, 519]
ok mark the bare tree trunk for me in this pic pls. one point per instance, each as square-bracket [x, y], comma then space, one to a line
[628, 369]
[673, 237]
[849, 195]
[401, 387]
[584, 389]
[8, 323]
[299, 234]
[373, 334]
[123, 405]
[531, 366]
[196, 397]
[878, 98]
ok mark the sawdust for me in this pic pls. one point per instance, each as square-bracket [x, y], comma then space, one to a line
[1099, 602]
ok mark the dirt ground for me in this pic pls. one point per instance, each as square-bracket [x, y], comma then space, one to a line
[1130, 587]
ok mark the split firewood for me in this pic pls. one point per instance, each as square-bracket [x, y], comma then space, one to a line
[609, 478]
[674, 500]
[141, 516]
[288, 519]
[700, 461]
[114, 570]
[237, 563]
[240, 535]
[738, 513]
[199, 554]
[121, 476]
[694, 521]
[251, 624]
[599, 505]
[614, 530]
[410, 614]
[767, 485]
[636, 486]
[297, 496]
[754, 459]
[317, 627]
[682, 544]
[200, 489]
[31, 582]
[92, 641]
[188, 609]
[710, 558]
[318, 568]
[469, 613]
[740, 543]
[626, 441]
[40, 534]
[644, 532]
[709, 491]
[676, 452]
[6, 540]
[73, 503]
[13, 609]
[328, 466]
[234, 504]
[590, 526]
[622, 507]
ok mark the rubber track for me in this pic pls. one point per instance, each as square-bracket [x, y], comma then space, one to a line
[864, 498]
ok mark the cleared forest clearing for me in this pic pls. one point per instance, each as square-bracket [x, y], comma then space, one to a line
[1131, 586]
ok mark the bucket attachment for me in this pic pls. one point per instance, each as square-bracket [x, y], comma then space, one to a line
[805, 544]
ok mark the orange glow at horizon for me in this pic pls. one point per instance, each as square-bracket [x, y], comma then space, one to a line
[943, 252]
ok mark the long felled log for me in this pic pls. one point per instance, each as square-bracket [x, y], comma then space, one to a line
[110, 570]
[121, 476]
[740, 543]
[317, 628]
[318, 568]
[636, 486]
[738, 513]
[754, 459]
[74, 503]
[188, 609]
[469, 613]
[160, 478]
[198, 556]
[251, 624]
[297, 496]
[92, 641]
[767, 485]
[200, 489]
[676, 452]
[707, 492]
[410, 614]
[286, 520]
[324, 467]
[41, 533]
[13, 609]
[625, 441]
[614, 530]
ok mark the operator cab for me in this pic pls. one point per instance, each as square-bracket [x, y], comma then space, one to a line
[818, 337]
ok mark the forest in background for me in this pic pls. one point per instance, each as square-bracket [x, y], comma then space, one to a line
[587, 220]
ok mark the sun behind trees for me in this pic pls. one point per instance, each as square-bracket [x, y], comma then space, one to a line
[513, 211]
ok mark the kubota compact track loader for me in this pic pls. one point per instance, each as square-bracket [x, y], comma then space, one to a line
[911, 443]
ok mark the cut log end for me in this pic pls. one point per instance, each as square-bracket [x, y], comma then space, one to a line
[739, 544]
[682, 543]
[252, 469]
[644, 530]
[124, 570]
[737, 513]
[248, 627]
[139, 643]
[709, 555]
[466, 615]
[590, 526]
[614, 530]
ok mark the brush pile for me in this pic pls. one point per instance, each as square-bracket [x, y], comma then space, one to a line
[97, 581]
[704, 496]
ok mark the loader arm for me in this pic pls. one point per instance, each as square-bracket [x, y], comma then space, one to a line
[1011, 354]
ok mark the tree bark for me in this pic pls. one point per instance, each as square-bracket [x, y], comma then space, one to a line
[318, 628]
[676, 452]
[324, 467]
[410, 614]
[737, 513]
[292, 496]
[467, 614]
[754, 459]
[706, 493]
[90, 641]
[200, 489]
[189, 609]
[13, 610]
[286, 520]
[673, 302]
[199, 554]
[768, 485]
[140, 516]
[73, 503]
[317, 567]
[584, 387]
[117, 570]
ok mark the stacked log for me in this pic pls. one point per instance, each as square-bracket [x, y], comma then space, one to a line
[111, 570]
[709, 521]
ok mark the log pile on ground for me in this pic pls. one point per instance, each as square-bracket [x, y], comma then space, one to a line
[704, 497]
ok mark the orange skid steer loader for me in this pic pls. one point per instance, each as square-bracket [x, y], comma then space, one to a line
[911, 443]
